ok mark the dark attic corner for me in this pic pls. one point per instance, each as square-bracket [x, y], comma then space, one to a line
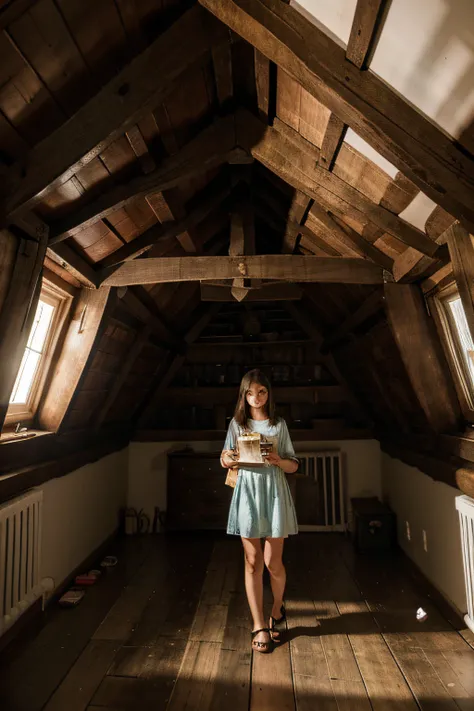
[190, 191]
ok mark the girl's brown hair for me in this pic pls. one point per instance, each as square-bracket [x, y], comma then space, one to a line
[242, 409]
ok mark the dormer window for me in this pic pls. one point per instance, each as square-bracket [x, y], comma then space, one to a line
[32, 374]
[458, 344]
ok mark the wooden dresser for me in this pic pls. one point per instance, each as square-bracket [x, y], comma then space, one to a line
[197, 495]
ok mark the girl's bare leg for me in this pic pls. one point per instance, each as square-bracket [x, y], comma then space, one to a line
[273, 553]
[254, 584]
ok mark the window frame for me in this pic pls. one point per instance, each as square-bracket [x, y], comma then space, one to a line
[61, 300]
[444, 320]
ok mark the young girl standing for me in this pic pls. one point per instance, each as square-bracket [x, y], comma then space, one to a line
[262, 506]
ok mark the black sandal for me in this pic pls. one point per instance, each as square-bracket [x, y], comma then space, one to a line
[275, 634]
[262, 647]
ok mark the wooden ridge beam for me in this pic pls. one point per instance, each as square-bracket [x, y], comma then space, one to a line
[369, 307]
[275, 267]
[210, 149]
[136, 90]
[392, 126]
[421, 353]
[283, 157]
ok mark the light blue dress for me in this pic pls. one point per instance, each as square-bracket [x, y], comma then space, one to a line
[262, 505]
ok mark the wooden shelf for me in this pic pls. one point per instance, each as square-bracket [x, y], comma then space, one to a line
[320, 433]
[218, 395]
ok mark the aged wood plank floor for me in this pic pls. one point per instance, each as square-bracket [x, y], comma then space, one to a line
[168, 629]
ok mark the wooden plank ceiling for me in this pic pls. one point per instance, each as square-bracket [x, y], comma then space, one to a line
[140, 131]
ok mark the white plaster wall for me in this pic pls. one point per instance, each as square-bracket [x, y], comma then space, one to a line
[80, 510]
[147, 468]
[427, 505]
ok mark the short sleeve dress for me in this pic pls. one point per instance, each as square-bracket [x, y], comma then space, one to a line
[262, 505]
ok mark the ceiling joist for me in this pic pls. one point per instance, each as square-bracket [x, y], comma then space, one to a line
[275, 267]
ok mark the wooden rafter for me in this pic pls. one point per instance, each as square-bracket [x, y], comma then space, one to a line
[351, 238]
[169, 230]
[332, 141]
[275, 267]
[210, 149]
[130, 95]
[359, 98]
[284, 158]
[365, 26]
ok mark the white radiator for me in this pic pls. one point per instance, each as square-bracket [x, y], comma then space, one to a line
[20, 555]
[325, 468]
[465, 507]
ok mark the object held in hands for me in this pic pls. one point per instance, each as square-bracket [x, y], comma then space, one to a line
[252, 448]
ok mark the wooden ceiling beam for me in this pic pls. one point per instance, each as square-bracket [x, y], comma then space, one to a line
[210, 149]
[275, 267]
[136, 90]
[365, 29]
[283, 157]
[351, 238]
[332, 141]
[296, 215]
[389, 123]
[242, 242]
[162, 233]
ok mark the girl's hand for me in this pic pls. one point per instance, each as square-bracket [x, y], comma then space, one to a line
[227, 459]
[273, 458]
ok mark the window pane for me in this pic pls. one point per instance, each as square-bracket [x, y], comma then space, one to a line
[39, 330]
[464, 336]
[25, 377]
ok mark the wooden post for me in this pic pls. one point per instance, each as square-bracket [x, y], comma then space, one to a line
[21, 261]
[421, 353]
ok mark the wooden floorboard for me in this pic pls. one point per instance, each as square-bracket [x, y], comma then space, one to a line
[169, 629]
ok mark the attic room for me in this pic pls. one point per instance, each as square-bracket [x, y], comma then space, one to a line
[189, 192]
